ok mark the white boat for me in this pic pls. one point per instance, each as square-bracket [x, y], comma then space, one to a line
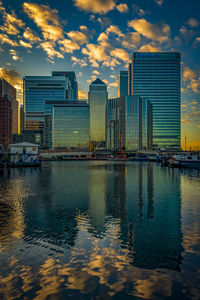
[185, 159]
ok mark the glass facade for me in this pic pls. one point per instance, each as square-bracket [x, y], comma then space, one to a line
[129, 123]
[73, 85]
[71, 126]
[97, 101]
[122, 83]
[157, 76]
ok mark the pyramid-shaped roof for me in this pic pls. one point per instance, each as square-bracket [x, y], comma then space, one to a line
[98, 81]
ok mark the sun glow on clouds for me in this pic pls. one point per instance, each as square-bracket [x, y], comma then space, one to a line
[14, 79]
[95, 6]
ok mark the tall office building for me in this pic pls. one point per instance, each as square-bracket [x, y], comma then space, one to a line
[157, 76]
[8, 113]
[21, 118]
[38, 90]
[129, 123]
[122, 83]
[130, 79]
[73, 84]
[71, 125]
[97, 97]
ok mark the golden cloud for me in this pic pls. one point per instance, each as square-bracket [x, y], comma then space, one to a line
[97, 6]
[48, 47]
[120, 54]
[31, 36]
[25, 44]
[111, 62]
[96, 72]
[13, 77]
[14, 54]
[79, 61]
[159, 2]
[156, 32]
[131, 40]
[78, 37]
[123, 7]
[96, 53]
[4, 39]
[68, 46]
[193, 22]
[46, 19]
[82, 95]
[150, 48]
[193, 78]
[11, 22]
[113, 84]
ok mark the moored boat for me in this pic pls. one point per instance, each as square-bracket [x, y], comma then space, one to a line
[185, 160]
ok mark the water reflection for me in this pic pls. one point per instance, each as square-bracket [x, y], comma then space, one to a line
[98, 229]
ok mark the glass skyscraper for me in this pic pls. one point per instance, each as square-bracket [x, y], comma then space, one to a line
[122, 83]
[71, 125]
[72, 91]
[157, 76]
[129, 123]
[97, 97]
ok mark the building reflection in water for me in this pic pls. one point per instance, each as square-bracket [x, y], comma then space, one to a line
[96, 226]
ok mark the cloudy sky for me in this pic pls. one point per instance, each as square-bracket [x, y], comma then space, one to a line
[96, 38]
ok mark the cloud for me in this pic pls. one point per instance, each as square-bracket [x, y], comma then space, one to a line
[131, 40]
[14, 54]
[31, 36]
[96, 53]
[79, 61]
[193, 22]
[82, 95]
[95, 6]
[24, 44]
[11, 22]
[197, 40]
[95, 72]
[150, 48]
[78, 37]
[122, 7]
[113, 76]
[48, 47]
[155, 32]
[14, 78]
[187, 34]
[68, 46]
[192, 78]
[138, 10]
[4, 39]
[46, 19]
[113, 84]
[159, 2]
[120, 54]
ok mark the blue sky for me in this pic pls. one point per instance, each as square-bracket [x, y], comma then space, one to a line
[97, 38]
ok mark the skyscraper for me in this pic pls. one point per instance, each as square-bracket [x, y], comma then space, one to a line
[71, 125]
[157, 76]
[122, 83]
[97, 97]
[8, 112]
[71, 76]
[129, 123]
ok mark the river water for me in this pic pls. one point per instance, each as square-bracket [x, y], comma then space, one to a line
[99, 230]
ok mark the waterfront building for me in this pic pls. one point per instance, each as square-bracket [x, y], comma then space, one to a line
[122, 83]
[72, 91]
[38, 90]
[129, 123]
[97, 97]
[157, 76]
[21, 118]
[8, 112]
[71, 125]
[29, 136]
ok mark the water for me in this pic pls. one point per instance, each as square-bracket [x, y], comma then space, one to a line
[99, 230]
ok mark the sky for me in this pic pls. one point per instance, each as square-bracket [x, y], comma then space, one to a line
[96, 38]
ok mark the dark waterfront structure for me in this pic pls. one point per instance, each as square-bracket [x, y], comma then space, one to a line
[97, 98]
[71, 125]
[122, 83]
[157, 76]
[29, 136]
[8, 112]
[129, 124]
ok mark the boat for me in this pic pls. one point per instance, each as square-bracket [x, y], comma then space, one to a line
[185, 160]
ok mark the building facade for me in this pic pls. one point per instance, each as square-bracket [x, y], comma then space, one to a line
[8, 112]
[122, 80]
[72, 91]
[157, 76]
[97, 97]
[71, 125]
[129, 124]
